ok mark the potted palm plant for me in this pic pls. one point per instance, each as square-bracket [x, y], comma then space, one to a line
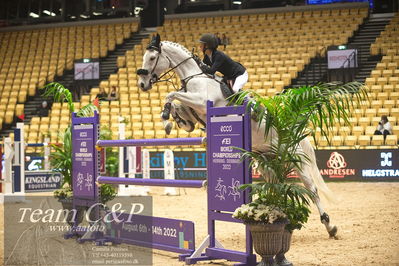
[61, 157]
[288, 118]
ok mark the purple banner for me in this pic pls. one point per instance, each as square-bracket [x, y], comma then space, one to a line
[227, 172]
[84, 160]
[161, 233]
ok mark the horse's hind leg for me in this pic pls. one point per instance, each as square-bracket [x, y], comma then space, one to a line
[183, 118]
[325, 219]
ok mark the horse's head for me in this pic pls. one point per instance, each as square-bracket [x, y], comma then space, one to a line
[154, 63]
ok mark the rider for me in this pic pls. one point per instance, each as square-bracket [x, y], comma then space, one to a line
[215, 60]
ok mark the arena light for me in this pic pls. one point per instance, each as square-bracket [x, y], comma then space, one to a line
[33, 15]
[137, 10]
[49, 13]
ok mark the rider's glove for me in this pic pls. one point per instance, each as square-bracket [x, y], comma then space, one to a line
[197, 59]
[205, 68]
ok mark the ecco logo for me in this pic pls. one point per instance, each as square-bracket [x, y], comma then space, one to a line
[226, 128]
[386, 158]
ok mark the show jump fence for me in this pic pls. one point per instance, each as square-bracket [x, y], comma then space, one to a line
[227, 127]
[14, 166]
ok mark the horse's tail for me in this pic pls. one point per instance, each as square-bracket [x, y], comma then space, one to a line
[315, 172]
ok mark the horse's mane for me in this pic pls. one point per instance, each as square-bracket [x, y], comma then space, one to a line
[178, 45]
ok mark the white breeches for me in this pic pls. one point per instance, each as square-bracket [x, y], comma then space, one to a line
[240, 82]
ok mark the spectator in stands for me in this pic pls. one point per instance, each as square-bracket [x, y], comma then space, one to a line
[214, 60]
[225, 40]
[43, 109]
[384, 127]
[102, 96]
[113, 95]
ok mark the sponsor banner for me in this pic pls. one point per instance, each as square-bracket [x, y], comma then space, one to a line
[357, 165]
[36, 181]
[376, 165]
[188, 165]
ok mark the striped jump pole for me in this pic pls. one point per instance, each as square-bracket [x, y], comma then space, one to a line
[151, 142]
[151, 182]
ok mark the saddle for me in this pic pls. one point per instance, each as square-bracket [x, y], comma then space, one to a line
[226, 88]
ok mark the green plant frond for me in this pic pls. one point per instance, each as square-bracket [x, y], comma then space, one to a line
[59, 94]
[288, 118]
[87, 110]
[105, 133]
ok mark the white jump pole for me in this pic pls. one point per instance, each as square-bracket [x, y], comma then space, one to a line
[146, 168]
[121, 134]
[169, 171]
[19, 160]
[131, 157]
[8, 156]
[46, 154]
[123, 190]
[132, 166]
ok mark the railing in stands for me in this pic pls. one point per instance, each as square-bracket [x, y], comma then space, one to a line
[314, 71]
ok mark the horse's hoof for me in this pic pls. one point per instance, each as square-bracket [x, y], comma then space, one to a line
[165, 115]
[333, 231]
[166, 111]
[168, 128]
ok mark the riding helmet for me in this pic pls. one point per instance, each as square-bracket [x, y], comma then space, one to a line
[210, 40]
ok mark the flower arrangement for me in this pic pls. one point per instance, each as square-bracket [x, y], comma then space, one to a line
[258, 212]
[276, 203]
[64, 192]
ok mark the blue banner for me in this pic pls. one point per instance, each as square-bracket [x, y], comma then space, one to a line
[36, 181]
[337, 165]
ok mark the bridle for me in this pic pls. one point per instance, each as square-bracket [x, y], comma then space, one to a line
[145, 72]
[154, 78]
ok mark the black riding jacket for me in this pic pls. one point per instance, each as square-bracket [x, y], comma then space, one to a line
[224, 64]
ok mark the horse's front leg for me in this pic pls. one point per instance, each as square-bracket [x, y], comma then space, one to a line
[180, 114]
[165, 115]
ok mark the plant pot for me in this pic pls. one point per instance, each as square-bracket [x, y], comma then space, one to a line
[67, 204]
[286, 244]
[267, 241]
